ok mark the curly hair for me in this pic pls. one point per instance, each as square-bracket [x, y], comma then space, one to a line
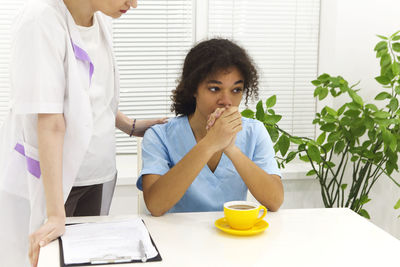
[206, 58]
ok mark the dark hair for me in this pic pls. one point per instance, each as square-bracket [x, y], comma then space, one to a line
[206, 58]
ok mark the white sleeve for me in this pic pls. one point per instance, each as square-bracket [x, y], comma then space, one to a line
[38, 78]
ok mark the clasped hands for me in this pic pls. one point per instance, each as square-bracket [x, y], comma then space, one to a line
[222, 126]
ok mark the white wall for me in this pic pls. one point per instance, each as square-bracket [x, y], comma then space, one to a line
[347, 39]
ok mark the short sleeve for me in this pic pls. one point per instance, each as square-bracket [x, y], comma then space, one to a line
[38, 78]
[155, 159]
[264, 153]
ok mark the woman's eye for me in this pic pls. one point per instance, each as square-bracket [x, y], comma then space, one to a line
[237, 90]
[213, 89]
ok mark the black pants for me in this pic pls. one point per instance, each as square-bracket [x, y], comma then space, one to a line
[84, 201]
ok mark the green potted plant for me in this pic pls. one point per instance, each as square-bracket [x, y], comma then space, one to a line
[360, 137]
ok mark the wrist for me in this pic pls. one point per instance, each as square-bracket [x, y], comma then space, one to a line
[231, 150]
[206, 146]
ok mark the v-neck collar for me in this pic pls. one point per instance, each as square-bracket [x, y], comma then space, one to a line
[193, 142]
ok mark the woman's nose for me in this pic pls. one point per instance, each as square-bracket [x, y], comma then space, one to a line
[225, 100]
[133, 3]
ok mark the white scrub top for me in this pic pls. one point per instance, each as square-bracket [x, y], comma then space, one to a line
[50, 72]
[164, 145]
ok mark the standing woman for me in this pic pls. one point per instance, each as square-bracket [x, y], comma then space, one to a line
[57, 144]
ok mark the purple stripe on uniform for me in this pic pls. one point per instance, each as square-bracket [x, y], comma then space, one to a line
[82, 55]
[32, 164]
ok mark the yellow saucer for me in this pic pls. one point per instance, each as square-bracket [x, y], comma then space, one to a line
[223, 225]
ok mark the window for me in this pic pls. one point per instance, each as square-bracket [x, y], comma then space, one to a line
[282, 38]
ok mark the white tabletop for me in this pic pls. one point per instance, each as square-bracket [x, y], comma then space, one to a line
[301, 237]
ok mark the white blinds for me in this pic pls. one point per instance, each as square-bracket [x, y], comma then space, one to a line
[150, 43]
[282, 37]
[8, 10]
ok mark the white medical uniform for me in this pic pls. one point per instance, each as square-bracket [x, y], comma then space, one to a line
[50, 73]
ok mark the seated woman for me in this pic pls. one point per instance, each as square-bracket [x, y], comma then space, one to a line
[209, 154]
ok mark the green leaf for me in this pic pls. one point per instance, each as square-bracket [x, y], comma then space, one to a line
[271, 101]
[382, 96]
[247, 113]
[356, 98]
[297, 141]
[364, 199]
[397, 90]
[353, 105]
[324, 77]
[394, 34]
[271, 111]
[352, 113]
[317, 91]
[395, 68]
[394, 104]
[260, 111]
[330, 111]
[321, 138]
[382, 80]
[341, 109]
[324, 93]
[386, 60]
[304, 158]
[372, 106]
[382, 37]
[343, 186]
[381, 114]
[272, 119]
[396, 38]
[327, 147]
[316, 82]
[333, 137]
[290, 156]
[284, 144]
[328, 127]
[313, 153]
[381, 45]
[273, 133]
[364, 213]
[397, 206]
[339, 147]
[354, 158]
[310, 173]
[396, 47]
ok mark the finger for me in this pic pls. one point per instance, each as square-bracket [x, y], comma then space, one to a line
[50, 237]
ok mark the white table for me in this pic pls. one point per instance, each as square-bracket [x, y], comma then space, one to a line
[301, 237]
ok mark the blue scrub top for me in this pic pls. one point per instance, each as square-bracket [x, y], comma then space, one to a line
[164, 145]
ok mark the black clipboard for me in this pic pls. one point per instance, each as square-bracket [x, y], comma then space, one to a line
[62, 263]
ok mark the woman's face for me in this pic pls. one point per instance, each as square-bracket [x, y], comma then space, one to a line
[223, 89]
[114, 8]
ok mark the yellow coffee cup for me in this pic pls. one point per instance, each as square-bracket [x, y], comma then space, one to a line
[243, 215]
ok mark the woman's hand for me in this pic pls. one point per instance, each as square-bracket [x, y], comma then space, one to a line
[50, 230]
[142, 125]
[223, 125]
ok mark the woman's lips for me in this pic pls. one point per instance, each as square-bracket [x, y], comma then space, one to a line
[123, 11]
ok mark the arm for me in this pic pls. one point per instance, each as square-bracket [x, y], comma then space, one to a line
[266, 188]
[51, 131]
[125, 124]
[162, 192]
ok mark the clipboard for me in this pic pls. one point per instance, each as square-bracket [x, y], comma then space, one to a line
[109, 259]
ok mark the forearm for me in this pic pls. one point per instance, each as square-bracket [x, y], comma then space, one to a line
[266, 188]
[123, 122]
[51, 132]
[168, 189]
